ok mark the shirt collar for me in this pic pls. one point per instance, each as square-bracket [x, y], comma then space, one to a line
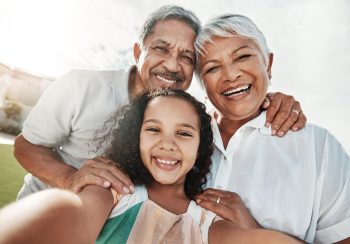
[256, 123]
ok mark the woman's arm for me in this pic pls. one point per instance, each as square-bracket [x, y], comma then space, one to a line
[224, 231]
[56, 216]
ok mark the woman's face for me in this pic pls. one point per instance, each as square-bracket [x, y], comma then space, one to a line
[235, 76]
[169, 139]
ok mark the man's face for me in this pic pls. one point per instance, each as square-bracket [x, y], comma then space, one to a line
[167, 57]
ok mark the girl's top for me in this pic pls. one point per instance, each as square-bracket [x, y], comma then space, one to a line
[137, 219]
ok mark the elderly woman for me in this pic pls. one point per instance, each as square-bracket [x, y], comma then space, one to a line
[298, 184]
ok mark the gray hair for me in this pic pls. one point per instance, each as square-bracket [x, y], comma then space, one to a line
[166, 13]
[229, 25]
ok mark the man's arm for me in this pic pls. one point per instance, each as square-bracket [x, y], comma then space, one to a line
[57, 216]
[45, 164]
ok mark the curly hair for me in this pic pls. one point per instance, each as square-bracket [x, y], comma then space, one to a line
[121, 136]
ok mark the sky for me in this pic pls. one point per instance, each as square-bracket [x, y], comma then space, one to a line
[310, 40]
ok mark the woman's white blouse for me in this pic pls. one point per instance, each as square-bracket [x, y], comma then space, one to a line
[298, 184]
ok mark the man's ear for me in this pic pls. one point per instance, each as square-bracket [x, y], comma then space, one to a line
[137, 52]
[269, 67]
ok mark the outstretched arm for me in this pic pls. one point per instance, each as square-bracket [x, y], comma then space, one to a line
[56, 216]
[224, 231]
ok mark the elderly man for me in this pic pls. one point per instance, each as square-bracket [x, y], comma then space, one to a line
[54, 145]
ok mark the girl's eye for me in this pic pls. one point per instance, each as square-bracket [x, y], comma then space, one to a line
[153, 129]
[184, 133]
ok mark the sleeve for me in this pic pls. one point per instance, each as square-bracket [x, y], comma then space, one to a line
[49, 122]
[334, 215]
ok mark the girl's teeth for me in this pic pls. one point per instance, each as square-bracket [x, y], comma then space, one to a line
[167, 162]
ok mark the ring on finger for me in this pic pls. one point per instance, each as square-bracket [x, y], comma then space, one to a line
[218, 200]
[295, 111]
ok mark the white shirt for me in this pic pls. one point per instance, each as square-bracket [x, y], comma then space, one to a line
[298, 184]
[68, 114]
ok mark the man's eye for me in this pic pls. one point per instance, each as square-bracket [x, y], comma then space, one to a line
[184, 133]
[188, 59]
[160, 49]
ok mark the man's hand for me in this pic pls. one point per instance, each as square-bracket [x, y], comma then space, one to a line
[284, 113]
[101, 172]
[227, 205]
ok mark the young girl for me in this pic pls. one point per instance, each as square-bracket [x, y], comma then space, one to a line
[163, 140]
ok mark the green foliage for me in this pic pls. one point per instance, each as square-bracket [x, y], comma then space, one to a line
[11, 175]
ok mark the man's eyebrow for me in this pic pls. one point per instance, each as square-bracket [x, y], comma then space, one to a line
[160, 42]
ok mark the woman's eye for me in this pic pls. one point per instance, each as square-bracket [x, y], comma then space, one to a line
[243, 57]
[211, 70]
[184, 133]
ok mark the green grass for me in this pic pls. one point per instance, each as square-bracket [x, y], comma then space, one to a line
[11, 175]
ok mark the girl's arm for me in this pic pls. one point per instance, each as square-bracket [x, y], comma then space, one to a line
[224, 231]
[57, 216]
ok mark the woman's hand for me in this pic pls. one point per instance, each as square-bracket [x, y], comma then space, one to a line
[283, 113]
[227, 205]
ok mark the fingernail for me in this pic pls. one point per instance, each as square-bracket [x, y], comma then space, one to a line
[274, 132]
[198, 201]
[267, 124]
[106, 184]
[132, 188]
[295, 128]
[126, 190]
[281, 133]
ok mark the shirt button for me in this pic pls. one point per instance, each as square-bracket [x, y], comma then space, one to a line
[225, 158]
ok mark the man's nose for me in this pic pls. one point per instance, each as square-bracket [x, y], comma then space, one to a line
[171, 63]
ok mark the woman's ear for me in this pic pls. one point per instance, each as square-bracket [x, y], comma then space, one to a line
[137, 52]
[269, 66]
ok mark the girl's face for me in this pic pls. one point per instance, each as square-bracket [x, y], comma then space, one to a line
[169, 139]
[235, 76]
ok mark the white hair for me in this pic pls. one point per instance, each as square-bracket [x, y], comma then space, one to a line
[229, 25]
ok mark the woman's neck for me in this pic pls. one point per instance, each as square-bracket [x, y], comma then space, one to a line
[169, 197]
[228, 127]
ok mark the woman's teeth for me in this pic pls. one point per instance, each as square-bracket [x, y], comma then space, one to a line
[237, 91]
